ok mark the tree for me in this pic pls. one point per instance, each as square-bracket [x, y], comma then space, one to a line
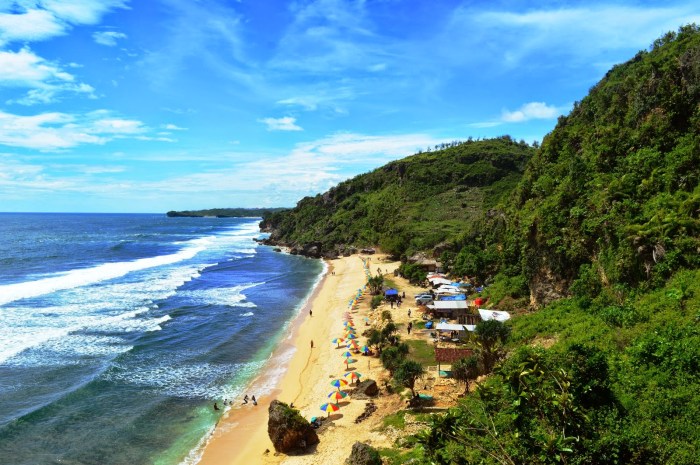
[388, 332]
[407, 373]
[375, 284]
[465, 370]
[392, 358]
[490, 335]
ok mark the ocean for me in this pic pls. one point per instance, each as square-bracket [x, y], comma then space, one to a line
[118, 332]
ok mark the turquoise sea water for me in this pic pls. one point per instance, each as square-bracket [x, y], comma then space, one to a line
[120, 331]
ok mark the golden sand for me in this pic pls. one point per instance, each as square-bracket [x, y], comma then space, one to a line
[241, 437]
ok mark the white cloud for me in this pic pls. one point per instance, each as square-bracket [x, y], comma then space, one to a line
[529, 111]
[56, 131]
[286, 123]
[35, 20]
[47, 80]
[108, 38]
[172, 127]
[596, 31]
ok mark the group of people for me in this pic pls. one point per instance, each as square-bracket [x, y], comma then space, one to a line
[245, 401]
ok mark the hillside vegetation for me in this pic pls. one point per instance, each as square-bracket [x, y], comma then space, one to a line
[408, 205]
[601, 232]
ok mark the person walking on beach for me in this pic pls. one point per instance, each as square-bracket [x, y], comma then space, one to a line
[245, 399]
[312, 343]
[255, 402]
[311, 313]
[216, 407]
[409, 313]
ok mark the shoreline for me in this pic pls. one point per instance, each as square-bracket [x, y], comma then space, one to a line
[240, 435]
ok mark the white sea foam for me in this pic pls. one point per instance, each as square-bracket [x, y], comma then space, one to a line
[229, 296]
[180, 378]
[85, 276]
[247, 314]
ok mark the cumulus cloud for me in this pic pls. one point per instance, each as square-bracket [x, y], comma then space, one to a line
[529, 111]
[46, 80]
[56, 131]
[286, 123]
[108, 38]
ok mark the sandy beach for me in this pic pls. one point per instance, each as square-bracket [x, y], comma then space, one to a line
[241, 436]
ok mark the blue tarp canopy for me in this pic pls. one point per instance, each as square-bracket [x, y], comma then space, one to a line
[391, 292]
[454, 297]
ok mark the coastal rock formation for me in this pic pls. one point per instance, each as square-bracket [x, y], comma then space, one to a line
[367, 388]
[363, 454]
[288, 430]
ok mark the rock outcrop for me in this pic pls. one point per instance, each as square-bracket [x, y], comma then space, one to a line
[288, 430]
[366, 389]
[363, 454]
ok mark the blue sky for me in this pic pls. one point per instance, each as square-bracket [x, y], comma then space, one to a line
[154, 105]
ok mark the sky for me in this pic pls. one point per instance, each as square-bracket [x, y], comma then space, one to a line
[157, 105]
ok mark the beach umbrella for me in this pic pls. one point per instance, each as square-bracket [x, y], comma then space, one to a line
[350, 336]
[364, 349]
[354, 345]
[348, 361]
[339, 382]
[337, 395]
[329, 407]
[348, 322]
[337, 341]
[347, 354]
[353, 375]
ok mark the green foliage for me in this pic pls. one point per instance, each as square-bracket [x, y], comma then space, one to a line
[414, 273]
[228, 212]
[422, 352]
[391, 358]
[466, 370]
[376, 301]
[407, 373]
[375, 284]
[410, 204]
[490, 337]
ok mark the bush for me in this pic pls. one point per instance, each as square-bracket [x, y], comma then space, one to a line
[376, 301]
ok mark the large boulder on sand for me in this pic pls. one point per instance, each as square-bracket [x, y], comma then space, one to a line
[288, 430]
[365, 389]
[363, 454]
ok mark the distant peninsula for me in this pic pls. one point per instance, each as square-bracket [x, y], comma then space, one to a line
[226, 212]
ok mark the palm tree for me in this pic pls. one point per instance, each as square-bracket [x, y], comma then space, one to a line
[407, 373]
[375, 284]
[465, 370]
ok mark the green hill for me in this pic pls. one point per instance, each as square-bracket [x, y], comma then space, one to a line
[601, 232]
[411, 204]
[612, 197]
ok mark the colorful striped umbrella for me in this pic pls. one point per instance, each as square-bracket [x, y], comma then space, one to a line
[354, 345]
[364, 349]
[329, 407]
[337, 395]
[337, 341]
[347, 354]
[350, 336]
[339, 382]
[353, 375]
[348, 361]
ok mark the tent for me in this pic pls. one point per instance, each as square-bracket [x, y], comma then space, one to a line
[391, 294]
[494, 315]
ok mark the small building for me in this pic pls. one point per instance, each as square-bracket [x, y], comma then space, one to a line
[450, 355]
[449, 308]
